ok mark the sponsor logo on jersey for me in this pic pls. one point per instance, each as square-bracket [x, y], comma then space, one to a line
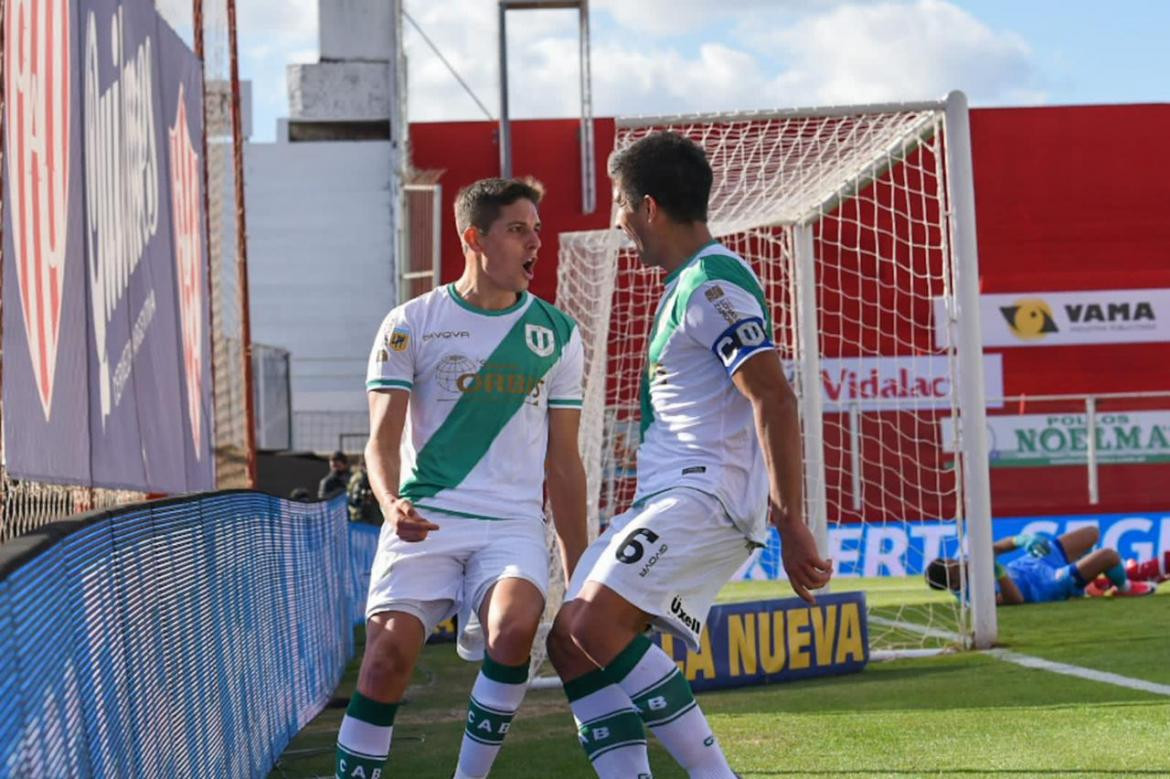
[447, 334]
[461, 375]
[727, 311]
[694, 624]
[654, 558]
[694, 469]
[399, 339]
[714, 293]
[382, 356]
[539, 339]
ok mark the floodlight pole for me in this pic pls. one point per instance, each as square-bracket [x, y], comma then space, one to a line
[585, 132]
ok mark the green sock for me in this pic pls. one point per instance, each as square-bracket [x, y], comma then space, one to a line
[363, 743]
[1116, 574]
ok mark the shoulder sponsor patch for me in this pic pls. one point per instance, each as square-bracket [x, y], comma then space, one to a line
[714, 292]
[399, 339]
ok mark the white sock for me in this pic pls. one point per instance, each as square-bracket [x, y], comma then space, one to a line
[653, 682]
[497, 694]
[608, 727]
[363, 741]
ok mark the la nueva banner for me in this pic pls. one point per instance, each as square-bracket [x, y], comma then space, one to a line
[106, 305]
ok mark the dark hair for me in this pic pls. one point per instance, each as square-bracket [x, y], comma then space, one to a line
[668, 167]
[938, 574]
[479, 203]
[339, 455]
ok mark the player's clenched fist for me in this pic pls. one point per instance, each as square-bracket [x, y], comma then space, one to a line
[407, 523]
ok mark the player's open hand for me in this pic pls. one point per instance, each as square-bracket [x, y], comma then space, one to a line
[407, 523]
[798, 551]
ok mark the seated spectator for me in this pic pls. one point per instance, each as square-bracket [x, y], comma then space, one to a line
[338, 477]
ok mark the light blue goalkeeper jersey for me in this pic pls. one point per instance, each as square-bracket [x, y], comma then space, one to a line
[481, 383]
[697, 429]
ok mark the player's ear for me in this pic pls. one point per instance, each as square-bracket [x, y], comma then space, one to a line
[471, 240]
[652, 209]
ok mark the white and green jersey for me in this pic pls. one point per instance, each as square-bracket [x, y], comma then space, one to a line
[697, 429]
[481, 385]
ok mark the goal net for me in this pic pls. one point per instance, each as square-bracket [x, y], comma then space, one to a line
[849, 217]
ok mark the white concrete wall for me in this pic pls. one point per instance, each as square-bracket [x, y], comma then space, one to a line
[321, 260]
[339, 91]
[357, 29]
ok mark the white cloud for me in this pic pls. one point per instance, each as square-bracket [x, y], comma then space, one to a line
[668, 56]
[900, 51]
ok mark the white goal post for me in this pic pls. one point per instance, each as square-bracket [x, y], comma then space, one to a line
[860, 222]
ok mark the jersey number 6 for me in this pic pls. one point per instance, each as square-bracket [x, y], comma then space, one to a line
[631, 550]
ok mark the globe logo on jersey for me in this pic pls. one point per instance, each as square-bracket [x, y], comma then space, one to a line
[450, 372]
[38, 94]
[539, 339]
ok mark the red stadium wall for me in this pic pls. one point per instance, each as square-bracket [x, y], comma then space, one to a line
[1067, 199]
[546, 149]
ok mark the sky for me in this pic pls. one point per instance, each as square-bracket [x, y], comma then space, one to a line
[687, 56]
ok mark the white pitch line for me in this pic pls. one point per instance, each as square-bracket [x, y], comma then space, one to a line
[1028, 661]
[1082, 673]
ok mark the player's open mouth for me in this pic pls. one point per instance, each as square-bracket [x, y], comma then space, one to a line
[528, 268]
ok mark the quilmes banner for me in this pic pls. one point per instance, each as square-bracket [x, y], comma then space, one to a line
[774, 641]
[106, 305]
[1028, 440]
[904, 548]
[1067, 318]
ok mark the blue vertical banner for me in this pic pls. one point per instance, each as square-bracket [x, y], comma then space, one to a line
[46, 431]
[106, 337]
[182, 112]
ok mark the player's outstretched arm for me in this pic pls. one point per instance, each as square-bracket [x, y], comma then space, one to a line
[387, 419]
[565, 476]
[761, 380]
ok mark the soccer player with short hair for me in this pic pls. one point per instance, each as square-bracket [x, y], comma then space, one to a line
[720, 456]
[475, 398]
[1054, 569]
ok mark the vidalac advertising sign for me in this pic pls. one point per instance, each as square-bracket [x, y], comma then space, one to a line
[900, 383]
[1063, 439]
[1067, 318]
[106, 339]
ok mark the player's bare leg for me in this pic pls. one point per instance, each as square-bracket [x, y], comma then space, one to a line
[1106, 563]
[1078, 543]
[609, 726]
[510, 615]
[608, 629]
[393, 641]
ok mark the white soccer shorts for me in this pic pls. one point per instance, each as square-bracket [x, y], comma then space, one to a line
[451, 570]
[669, 557]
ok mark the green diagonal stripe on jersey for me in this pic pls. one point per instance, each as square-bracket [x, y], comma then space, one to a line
[713, 267]
[509, 375]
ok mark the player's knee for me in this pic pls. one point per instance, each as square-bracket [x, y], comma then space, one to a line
[511, 643]
[1111, 557]
[386, 661]
[583, 628]
[559, 643]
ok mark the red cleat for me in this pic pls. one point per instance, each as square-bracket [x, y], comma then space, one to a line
[1100, 587]
[1138, 589]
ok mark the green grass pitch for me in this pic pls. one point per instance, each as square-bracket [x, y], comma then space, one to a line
[963, 714]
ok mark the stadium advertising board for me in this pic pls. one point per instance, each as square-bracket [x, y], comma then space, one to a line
[1063, 439]
[106, 316]
[904, 548]
[898, 383]
[774, 641]
[1068, 318]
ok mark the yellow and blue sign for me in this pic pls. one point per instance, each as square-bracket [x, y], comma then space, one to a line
[780, 640]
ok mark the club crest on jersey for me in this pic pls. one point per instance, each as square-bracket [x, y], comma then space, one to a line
[399, 339]
[539, 339]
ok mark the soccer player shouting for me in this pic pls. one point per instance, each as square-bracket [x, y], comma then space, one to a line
[475, 397]
[720, 456]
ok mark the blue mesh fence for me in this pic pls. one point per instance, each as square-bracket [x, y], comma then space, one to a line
[191, 637]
